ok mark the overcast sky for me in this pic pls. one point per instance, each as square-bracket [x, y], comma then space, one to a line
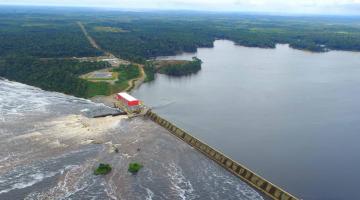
[342, 7]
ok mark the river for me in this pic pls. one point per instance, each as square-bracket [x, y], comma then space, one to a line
[292, 116]
[50, 147]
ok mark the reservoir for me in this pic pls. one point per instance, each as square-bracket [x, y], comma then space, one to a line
[291, 116]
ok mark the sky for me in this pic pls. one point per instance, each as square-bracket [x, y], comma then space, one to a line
[336, 7]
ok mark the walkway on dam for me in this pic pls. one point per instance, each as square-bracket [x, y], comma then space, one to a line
[245, 174]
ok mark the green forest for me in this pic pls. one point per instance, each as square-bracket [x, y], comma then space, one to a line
[147, 35]
[127, 72]
[53, 75]
[181, 69]
[38, 45]
[138, 36]
[43, 36]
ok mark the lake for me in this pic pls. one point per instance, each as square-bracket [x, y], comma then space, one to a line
[291, 116]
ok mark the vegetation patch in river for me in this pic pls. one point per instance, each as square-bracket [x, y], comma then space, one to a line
[103, 169]
[134, 167]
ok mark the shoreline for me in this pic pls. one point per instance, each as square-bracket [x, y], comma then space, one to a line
[133, 84]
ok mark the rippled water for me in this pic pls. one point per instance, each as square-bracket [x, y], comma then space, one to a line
[49, 149]
[33, 159]
[290, 115]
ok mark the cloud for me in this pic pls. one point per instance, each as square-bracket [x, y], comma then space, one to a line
[278, 6]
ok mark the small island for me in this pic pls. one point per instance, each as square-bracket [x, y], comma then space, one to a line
[171, 67]
[178, 67]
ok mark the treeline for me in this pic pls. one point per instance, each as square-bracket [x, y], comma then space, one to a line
[143, 36]
[149, 39]
[27, 35]
[150, 71]
[54, 75]
[171, 67]
[147, 36]
[181, 69]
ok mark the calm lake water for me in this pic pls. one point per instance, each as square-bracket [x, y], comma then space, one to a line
[292, 116]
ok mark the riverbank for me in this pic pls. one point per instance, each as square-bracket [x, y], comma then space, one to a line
[109, 100]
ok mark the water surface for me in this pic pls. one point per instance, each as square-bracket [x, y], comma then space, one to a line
[290, 115]
[50, 147]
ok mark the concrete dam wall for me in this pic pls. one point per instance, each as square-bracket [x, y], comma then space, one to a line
[237, 169]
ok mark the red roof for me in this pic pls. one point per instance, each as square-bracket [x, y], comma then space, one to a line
[128, 99]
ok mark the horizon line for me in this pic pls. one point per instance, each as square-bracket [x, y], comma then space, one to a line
[129, 9]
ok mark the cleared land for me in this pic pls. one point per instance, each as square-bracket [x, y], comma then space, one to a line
[101, 75]
[125, 76]
[109, 29]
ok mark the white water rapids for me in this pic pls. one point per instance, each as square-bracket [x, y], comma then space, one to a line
[50, 147]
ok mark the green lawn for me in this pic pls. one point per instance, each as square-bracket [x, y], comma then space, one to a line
[104, 88]
[125, 73]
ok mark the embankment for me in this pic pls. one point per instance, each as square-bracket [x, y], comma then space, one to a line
[237, 169]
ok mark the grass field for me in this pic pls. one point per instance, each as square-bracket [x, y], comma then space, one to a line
[104, 88]
[124, 73]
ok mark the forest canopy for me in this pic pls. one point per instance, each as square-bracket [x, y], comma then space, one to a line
[54, 75]
[138, 36]
[38, 45]
[181, 68]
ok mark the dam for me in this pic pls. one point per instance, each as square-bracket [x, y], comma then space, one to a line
[129, 103]
[256, 181]
[59, 144]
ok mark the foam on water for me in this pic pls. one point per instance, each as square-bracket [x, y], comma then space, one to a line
[14, 96]
[31, 180]
[50, 157]
[18, 100]
[227, 183]
[28, 175]
[149, 193]
[179, 183]
[5, 158]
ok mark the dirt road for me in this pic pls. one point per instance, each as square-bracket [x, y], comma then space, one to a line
[133, 83]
